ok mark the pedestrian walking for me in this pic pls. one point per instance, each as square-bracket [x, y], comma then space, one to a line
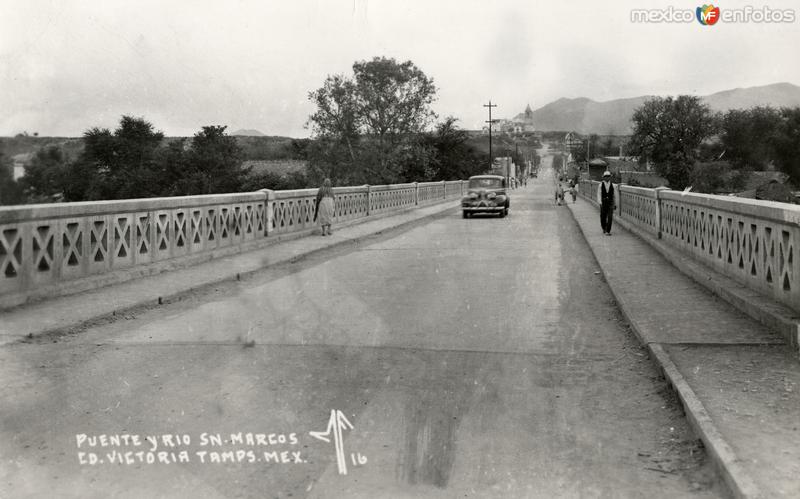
[324, 207]
[559, 194]
[574, 191]
[606, 196]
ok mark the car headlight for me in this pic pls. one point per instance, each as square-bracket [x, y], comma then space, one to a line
[492, 195]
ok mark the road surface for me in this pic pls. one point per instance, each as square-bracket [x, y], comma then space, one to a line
[478, 357]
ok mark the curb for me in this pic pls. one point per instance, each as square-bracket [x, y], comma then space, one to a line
[735, 477]
[767, 312]
[737, 480]
[229, 276]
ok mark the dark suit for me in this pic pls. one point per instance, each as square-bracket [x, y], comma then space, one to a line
[607, 205]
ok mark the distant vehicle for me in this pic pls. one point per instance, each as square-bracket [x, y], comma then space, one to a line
[485, 194]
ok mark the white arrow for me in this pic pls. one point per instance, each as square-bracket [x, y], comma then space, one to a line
[336, 423]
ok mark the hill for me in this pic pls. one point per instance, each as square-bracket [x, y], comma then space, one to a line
[247, 132]
[777, 95]
[614, 117]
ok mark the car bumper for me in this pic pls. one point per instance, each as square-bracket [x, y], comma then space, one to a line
[483, 208]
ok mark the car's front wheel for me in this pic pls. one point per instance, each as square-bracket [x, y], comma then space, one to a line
[464, 214]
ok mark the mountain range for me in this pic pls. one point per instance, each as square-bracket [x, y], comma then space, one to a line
[614, 117]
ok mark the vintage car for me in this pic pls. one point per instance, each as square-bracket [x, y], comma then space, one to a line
[485, 194]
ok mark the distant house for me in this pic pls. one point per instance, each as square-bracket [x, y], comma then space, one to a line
[572, 140]
[20, 162]
[519, 124]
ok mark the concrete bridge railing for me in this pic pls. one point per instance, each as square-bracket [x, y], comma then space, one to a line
[46, 249]
[753, 242]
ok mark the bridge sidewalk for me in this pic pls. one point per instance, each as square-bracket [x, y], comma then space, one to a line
[737, 380]
[71, 312]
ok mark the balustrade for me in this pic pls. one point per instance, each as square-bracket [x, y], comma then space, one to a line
[43, 246]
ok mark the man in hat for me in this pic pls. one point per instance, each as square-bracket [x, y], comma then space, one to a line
[606, 196]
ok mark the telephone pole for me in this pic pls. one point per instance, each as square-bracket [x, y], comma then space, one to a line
[490, 121]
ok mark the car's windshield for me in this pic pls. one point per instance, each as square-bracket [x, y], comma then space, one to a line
[485, 183]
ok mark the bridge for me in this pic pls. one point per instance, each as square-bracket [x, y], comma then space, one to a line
[217, 346]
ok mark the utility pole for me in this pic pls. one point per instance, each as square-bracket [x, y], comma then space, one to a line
[587, 154]
[490, 106]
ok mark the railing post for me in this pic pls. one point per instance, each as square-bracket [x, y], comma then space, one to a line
[369, 198]
[658, 209]
[444, 189]
[269, 197]
[416, 193]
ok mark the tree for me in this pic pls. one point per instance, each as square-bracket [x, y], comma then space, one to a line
[337, 118]
[393, 101]
[748, 136]
[786, 143]
[118, 165]
[44, 175]
[454, 158]
[367, 125]
[174, 168]
[136, 161]
[10, 191]
[668, 131]
[213, 163]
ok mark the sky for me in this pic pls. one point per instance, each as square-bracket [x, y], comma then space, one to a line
[67, 66]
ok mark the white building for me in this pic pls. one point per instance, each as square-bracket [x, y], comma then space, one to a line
[20, 161]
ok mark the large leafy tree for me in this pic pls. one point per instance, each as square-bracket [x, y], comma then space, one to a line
[367, 125]
[136, 161]
[116, 165]
[337, 117]
[748, 136]
[394, 101]
[668, 131]
[336, 126]
[214, 162]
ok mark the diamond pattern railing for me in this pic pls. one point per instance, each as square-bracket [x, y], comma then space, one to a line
[43, 246]
[753, 242]
[294, 210]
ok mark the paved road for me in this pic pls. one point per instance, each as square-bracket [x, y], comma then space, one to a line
[469, 358]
